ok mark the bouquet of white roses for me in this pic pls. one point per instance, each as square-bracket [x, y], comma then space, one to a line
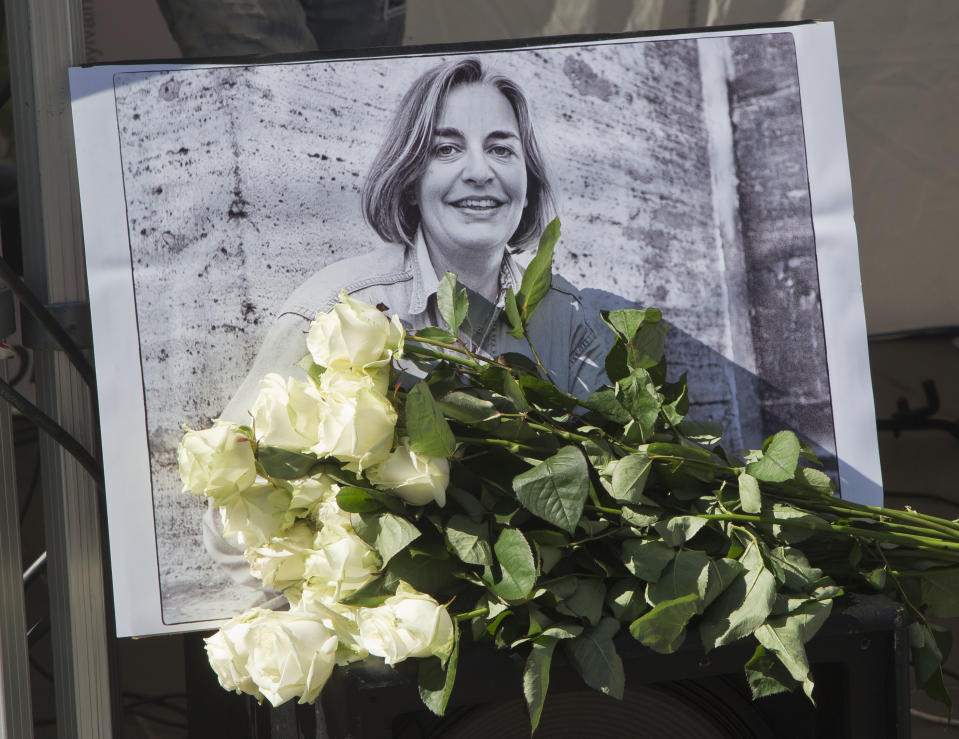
[484, 505]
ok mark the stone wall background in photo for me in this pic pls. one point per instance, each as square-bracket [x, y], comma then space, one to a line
[242, 181]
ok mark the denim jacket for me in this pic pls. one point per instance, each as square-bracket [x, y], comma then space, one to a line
[405, 282]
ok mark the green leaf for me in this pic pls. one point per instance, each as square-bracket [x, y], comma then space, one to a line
[467, 408]
[818, 480]
[436, 334]
[638, 395]
[930, 646]
[779, 459]
[787, 636]
[626, 322]
[749, 495]
[386, 533]
[684, 575]
[312, 369]
[720, 574]
[358, 500]
[556, 489]
[742, 606]
[807, 452]
[642, 517]
[876, 578]
[647, 558]
[699, 463]
[429, 432]
[706, 433]
[615, 362]
[469, 540]
[467, 501]
[586, 601]
[520, 363]
[563, 631]
[548, 537]
[545, 394]
[452, 303]
[514, 391]
[663, 629]
[629, 478]
[562, 587]
[679, 529]
[676, 410]
[787, 516]
[798, 574]
[370, 595]
[516, 564]
[625, 599]
[436, 679]
[538, 275]
[648, 346]
[940, 593]
[512, 314]
[425, 573]
[604, 402]
[927, 656]
[284, 464]
[536, 678]
[594, 657]
[767, 675]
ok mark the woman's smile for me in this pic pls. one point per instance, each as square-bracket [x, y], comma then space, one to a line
[478, 203]
[473, 191]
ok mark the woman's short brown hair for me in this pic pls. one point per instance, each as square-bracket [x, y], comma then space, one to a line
[405, 153]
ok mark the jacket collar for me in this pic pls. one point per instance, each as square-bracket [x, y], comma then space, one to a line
[425, 281]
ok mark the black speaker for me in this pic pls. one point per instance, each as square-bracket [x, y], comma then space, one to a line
[859, 661]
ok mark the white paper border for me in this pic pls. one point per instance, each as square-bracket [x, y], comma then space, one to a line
[113, 314]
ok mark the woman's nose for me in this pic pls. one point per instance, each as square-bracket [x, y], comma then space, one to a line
[476, 169]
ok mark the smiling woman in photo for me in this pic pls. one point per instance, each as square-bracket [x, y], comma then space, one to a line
[459, 185]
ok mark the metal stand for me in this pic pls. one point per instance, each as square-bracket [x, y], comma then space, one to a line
[16, 719]
[45, 39]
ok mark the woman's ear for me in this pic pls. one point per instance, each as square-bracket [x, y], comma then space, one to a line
[411, 196]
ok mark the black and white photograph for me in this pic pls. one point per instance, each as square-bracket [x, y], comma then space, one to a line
[225, 205]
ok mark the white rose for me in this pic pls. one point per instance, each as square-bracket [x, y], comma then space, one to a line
[281, 563]
[228, 653]
[306, 407]
[357, 424]
[312, 494]
[354, 335]
[318, 599]
[416, 479]
[330, 514]
[379, 635]
[256, 515]
[342, 559]
[216, 462]
[274, 654]
[274, 416]
[408, 624]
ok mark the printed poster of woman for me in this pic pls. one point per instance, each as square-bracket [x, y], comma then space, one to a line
[255, 194]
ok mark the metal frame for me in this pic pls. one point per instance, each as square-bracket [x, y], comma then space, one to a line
[16, 719]
[45, 38]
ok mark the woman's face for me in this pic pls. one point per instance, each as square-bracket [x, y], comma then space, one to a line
[473, 192]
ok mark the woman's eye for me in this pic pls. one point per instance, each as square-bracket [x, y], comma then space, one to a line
[501, 151]
[444, 150]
